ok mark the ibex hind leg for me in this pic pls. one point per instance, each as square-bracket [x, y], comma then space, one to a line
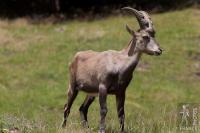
[72, 93]
[84, 109]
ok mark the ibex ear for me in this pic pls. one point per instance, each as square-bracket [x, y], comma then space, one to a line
[130, 31]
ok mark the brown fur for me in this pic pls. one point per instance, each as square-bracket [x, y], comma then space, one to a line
[108, 72]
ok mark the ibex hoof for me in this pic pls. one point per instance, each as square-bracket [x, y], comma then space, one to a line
[64, 124]
[85, 124]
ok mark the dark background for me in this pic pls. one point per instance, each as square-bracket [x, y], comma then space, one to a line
[70, 8]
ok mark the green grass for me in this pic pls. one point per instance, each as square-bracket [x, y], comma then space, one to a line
[34, 73]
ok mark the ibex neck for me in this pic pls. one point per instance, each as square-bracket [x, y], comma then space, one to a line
[134, 59]
[134, 55]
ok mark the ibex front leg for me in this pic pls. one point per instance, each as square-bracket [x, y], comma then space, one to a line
[120, 99]
[103, 107]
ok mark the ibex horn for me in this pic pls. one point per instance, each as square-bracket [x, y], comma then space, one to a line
[144, 23]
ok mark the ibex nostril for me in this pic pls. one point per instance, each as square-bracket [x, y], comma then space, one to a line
[161, 49]
[158, 52]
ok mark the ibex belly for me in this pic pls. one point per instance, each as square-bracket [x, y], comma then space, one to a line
[91, 86]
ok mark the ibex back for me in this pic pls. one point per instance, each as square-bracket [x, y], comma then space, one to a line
[110, 72]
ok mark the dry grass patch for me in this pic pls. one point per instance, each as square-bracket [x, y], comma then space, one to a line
[5, 37]
[88, 34]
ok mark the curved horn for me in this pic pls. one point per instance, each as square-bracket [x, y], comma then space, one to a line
[142, 17]
[137, 14]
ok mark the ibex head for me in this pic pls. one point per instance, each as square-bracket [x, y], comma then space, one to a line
[145, 37]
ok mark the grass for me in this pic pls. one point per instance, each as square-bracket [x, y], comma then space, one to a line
[34, 73]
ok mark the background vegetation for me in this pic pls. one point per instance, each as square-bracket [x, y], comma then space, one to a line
[34, 72]
[74, 8]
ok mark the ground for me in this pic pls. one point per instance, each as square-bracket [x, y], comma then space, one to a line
[34, 62]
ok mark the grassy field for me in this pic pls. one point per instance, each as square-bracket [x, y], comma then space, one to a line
[34, 73]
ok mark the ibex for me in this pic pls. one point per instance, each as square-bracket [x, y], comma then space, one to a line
[110, 72]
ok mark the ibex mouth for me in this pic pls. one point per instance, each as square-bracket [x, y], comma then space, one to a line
[157, 53]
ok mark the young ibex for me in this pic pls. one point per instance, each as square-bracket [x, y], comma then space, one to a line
[110, 72]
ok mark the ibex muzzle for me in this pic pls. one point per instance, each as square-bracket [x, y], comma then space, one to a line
[153, 47]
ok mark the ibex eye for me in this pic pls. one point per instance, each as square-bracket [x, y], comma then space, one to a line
[147, 24]
[146, 37]
[152, 33]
